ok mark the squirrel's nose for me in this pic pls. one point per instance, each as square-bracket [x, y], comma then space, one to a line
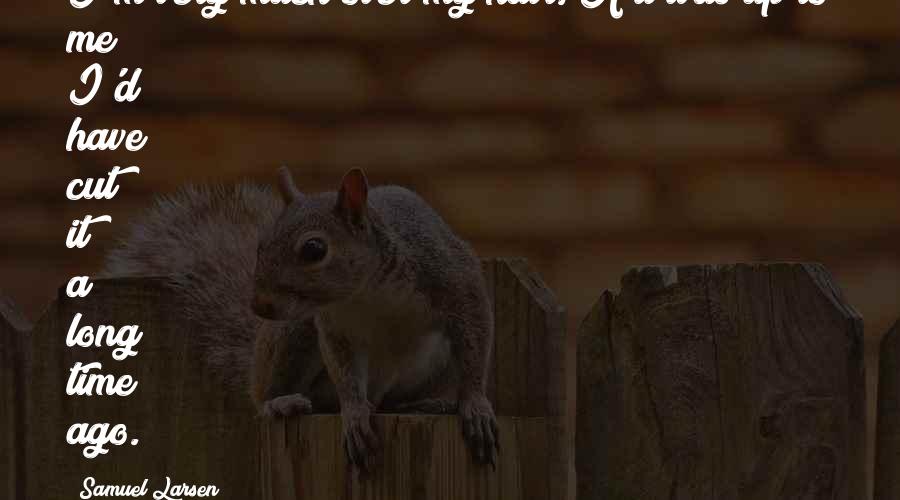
[264, 306]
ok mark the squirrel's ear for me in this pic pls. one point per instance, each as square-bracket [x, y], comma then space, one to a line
[286, 186]
[353, 196]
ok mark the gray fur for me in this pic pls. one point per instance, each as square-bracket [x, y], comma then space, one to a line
[204, 240]
[399, 304]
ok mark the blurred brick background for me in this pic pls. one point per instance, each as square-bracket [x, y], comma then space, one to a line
[678, 134]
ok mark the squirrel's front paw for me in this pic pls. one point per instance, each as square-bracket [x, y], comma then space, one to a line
[480, 428]
[360, 440]
[286, 406]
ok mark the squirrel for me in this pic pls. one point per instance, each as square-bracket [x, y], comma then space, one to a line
[351, 300]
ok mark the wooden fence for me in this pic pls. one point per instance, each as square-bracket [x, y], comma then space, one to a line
[188, 427]
[731, 382]
[196, 432]
[741, 382]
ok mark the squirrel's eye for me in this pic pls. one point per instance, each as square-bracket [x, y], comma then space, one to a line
[313, 250]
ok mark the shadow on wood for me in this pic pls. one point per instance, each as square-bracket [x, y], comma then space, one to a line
[425, 457]
[730, 382]
[887, 458]
[191, 429]
[13, 338]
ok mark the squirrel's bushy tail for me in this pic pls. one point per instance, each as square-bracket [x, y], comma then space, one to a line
[204, 240]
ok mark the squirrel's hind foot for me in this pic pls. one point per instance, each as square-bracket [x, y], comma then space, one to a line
[480, 429]
[286, 406]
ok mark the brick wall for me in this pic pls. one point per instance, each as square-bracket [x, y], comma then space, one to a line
[678, 134]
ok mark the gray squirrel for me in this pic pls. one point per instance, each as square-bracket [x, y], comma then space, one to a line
[352, 299]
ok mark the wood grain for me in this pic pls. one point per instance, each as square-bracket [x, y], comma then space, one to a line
[529, 368]
[424, 457]
[721, 382]
[188, 427]
[887, 458]
[528, 372]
